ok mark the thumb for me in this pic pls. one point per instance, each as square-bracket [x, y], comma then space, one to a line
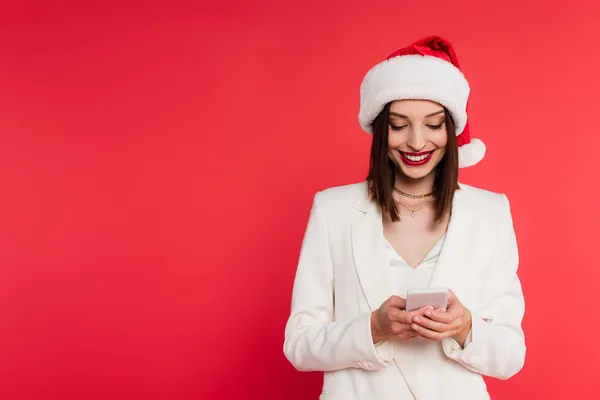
[396, 301]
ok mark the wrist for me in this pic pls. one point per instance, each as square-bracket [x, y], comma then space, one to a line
[462, 335]
[376, 331]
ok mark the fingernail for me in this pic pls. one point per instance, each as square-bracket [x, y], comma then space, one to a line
[416, 319]
[415, 327]
[428, 313]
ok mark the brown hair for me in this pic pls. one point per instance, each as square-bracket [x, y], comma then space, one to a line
[382, 171]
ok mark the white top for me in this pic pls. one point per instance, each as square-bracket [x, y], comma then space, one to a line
[406, 277]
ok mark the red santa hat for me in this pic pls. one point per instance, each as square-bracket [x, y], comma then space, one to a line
[425, 70]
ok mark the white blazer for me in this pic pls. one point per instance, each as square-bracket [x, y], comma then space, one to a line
[343, 275]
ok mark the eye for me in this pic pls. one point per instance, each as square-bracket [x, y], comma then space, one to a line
[397, 128]
[435, 127]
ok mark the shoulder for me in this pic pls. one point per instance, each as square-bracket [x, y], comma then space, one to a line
[340, 195]
[484, 201]
[339, 200]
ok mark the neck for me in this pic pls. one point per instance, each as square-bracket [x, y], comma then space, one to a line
[415, 186]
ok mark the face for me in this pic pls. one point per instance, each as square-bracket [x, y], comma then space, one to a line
[417, 136]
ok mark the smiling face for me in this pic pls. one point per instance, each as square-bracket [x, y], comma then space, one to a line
[417, 136]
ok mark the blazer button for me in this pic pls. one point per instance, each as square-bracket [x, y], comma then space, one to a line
[369, 365]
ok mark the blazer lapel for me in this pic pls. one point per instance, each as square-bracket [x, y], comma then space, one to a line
[455, 251]
[368, 248]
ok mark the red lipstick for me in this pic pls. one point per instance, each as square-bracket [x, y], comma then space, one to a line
[416, 163]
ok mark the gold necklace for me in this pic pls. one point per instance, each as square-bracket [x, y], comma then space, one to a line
[412, 212]
[412, 196]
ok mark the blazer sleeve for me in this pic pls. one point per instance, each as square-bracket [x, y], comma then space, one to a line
[497, 347]
[314, 341]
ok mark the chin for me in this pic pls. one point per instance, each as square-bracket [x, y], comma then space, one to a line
[416, 173]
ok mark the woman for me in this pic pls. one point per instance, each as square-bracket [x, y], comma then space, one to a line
[410, 225]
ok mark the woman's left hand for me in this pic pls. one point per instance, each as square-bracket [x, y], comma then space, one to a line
[455, 322]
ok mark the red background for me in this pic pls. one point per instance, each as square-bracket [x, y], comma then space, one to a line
[158, 162]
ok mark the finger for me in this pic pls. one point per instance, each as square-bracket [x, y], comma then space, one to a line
[435, 325]
[455, 309]
[397, 315]
[445, 317]
[406, 317]
[420, 312]
[398, 328]
[408, 332]
[396, 301]
[433, 335]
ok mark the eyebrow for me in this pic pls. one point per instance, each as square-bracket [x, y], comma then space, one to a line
[405, 117]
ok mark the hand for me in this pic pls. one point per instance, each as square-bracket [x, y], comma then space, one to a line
[440, 324]
[391, 320]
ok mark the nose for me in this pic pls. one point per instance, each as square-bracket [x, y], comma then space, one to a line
[416, 141]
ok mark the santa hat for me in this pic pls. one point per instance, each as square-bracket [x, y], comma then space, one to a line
[425, 70]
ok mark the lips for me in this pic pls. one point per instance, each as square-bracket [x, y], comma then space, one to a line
[416, 159]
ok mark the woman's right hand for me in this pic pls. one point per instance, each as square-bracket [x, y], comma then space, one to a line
[391, 320]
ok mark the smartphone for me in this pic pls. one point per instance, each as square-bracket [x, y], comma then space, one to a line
[434, 297]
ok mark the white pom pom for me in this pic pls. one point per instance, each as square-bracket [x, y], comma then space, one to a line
[471, 153]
